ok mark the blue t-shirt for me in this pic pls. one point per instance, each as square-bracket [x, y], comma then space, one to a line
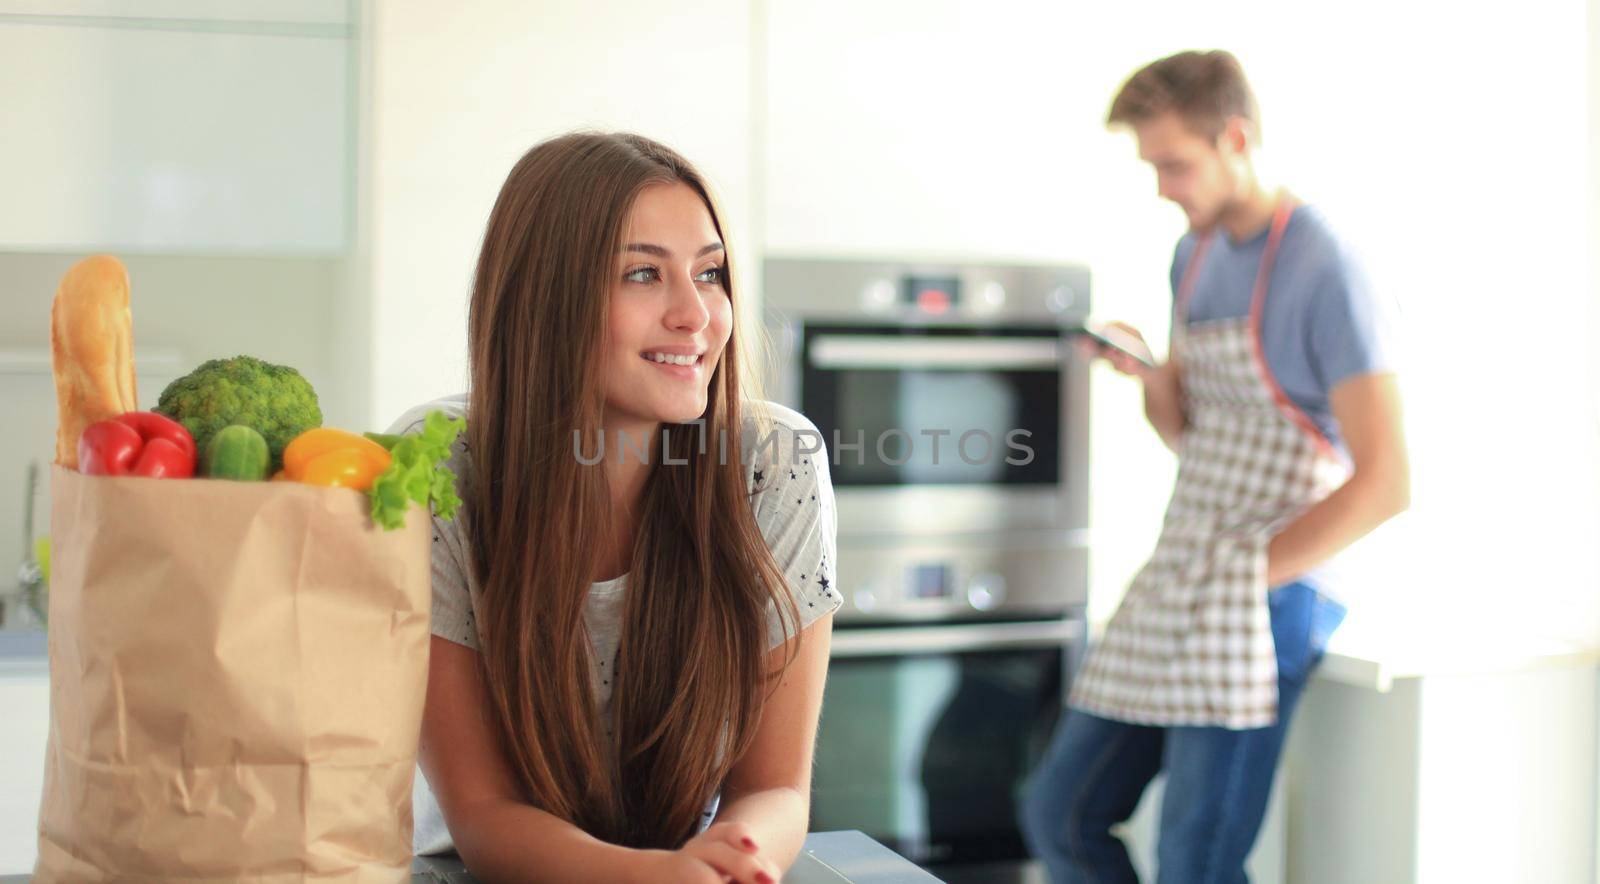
[1321, 322]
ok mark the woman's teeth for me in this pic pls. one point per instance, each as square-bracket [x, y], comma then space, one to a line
[674, 360]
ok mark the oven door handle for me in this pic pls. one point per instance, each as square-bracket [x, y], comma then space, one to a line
[886, 641]
[889, 351]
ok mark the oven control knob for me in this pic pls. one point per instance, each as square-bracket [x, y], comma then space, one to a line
[865, 599]
[1061, 299]
[879, 296]
[991, 298]
[986, 591]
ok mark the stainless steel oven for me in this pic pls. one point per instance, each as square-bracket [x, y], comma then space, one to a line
[954, 411]
[955, 415]
[928, 731]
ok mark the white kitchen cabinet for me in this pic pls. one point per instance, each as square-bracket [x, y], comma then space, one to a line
[1420, 765]
[25, 697]
[174, 133]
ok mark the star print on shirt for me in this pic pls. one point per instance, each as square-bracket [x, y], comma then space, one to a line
[758, 478]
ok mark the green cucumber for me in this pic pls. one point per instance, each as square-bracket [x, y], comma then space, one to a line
[238, 452]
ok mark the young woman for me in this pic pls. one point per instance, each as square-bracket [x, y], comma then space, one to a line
[629, 651]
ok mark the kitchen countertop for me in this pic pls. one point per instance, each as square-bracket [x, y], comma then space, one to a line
[23, 652]
[1376, 661]
[827, 858]
[1361, 658]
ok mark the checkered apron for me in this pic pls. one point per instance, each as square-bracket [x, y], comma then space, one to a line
[1191, 643]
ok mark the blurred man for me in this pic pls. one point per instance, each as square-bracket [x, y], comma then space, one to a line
[1279, 398]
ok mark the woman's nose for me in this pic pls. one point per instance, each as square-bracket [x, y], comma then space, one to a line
[686, 310]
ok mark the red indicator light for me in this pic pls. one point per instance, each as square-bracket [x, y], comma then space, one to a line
[933, 300]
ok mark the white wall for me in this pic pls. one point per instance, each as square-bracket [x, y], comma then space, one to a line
[1593, 149]
[1477, 219]
[1440, 139]
[460, 93]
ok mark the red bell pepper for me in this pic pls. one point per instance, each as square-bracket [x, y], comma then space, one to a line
[139, 443]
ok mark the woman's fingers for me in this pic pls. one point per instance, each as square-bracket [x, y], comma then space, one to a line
[690, 867]
[737, 834]
[737, 863]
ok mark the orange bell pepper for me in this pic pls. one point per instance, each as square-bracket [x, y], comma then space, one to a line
[326, 456]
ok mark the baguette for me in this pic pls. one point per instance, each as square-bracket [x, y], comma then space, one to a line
[91, 350]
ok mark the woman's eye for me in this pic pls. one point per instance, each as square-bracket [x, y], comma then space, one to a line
[646, 275]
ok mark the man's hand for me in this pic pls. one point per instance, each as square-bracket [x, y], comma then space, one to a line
[1367, 408]
[1122, 333]
[1163, 397]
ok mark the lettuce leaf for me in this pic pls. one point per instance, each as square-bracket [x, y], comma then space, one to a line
[416, 473]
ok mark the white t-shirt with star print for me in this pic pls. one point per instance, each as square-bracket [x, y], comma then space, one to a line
[794, 508]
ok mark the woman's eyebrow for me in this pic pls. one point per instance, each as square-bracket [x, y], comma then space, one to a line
[660, 252]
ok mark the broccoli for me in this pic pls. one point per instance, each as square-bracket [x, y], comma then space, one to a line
[273, 400]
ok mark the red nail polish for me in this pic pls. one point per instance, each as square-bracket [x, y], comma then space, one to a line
[763, 878]
[748, 843]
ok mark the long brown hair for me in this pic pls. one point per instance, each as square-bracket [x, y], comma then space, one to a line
[691, 672]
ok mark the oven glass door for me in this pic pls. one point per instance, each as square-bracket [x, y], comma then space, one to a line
[936, 405]
[928, 733]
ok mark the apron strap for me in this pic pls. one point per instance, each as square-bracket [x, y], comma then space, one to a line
[1186, 283]
[1258, 298]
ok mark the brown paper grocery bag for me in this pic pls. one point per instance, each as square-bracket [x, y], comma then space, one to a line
[237, 673]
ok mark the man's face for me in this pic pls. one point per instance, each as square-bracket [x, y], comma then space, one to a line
[1201, 175]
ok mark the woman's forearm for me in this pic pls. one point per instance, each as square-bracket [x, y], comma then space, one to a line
[508, 841]
[779, 817]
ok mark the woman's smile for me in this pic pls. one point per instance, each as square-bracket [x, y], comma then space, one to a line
[677, 363]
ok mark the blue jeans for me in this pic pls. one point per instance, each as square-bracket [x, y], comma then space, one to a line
[1218, 780]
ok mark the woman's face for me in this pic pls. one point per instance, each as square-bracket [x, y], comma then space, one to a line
[669, 306]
